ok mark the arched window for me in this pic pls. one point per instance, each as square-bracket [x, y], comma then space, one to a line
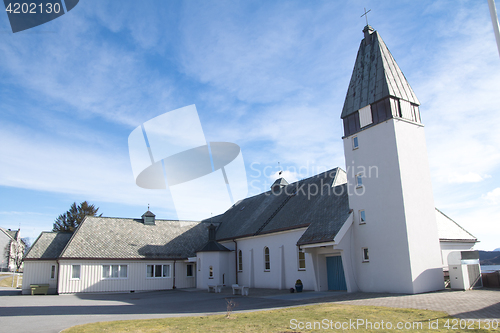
[240, 261]
[210, 272]
[267, 260]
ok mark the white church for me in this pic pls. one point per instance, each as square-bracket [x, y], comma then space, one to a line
[373, 228]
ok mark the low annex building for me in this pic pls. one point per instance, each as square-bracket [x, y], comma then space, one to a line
[116, 254]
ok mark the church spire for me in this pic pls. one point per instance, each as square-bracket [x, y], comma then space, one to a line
[378, 82]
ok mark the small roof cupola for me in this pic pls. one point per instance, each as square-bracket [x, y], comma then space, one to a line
[279, 184]
[148, 218]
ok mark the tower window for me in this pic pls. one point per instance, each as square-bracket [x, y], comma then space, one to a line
[362, 217]
[359, 180]
[366, 258]
[210, 272]
[355, 143]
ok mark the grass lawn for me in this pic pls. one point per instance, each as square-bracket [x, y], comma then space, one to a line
[282, 320]
[7, 282]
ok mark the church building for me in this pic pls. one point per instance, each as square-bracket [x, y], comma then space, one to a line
[372, 227]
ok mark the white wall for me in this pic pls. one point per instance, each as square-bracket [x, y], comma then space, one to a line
[400, 231]
[283, 253]
[91, 279]
[448, 247]
[223, 268]
[38, 272]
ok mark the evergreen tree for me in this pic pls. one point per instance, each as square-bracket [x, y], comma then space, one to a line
[69, 221]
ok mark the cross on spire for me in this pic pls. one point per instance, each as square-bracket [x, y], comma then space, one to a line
[366, 15]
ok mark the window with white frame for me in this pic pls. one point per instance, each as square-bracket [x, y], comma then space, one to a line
[240, 261]
[114, 271]
[267, 260]
[366, 258]
[302, 260]
[189, 270]
[359, 180]
[362, 216]
[75, 272]
[355, 143]
[53, 271]
[210, 272]
[158, 271]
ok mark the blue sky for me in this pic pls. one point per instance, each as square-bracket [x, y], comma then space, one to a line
[270, 76]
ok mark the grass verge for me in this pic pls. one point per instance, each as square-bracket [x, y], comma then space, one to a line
[295, 319]
[7, 282]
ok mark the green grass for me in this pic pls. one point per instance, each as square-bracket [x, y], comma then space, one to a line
[280, 321]
[7, 282]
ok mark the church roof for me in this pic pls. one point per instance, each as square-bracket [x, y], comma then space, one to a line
[213, 246]
[310, 202]
[125, 238]
[449, 230]
[376, 75]
[280, 181]
[48, 245]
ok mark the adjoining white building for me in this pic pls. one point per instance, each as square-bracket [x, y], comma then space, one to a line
[116, 255]
[11, 249]
[373, 228]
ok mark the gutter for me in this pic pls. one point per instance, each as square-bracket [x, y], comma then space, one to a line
[173, 286]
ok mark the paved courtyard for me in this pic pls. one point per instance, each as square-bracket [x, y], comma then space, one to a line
[53, 313]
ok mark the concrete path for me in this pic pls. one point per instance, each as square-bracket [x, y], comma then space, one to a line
[53, 313]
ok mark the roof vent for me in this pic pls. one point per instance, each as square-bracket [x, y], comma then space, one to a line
[148, 218]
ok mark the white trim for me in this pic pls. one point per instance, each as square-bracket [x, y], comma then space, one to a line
[345, 227]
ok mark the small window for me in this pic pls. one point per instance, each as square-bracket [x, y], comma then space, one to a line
[267, 261]
[210, 272]
[359, 180]
[53, 272]
[189, 270]
[75, 274]
[302, 260]
[366, 258]
[166, 271]
[240, 261]
[114, 271]
[362, 217]
[355, 143]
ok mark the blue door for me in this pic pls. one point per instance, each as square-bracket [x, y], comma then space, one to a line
[335, 273]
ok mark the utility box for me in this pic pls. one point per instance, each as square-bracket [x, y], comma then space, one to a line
[465, 271]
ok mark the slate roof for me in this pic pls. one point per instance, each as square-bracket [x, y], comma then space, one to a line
[449, 230]
[125, 238]
[376, 75]
[48, 245]
[297, 205]
[11, 233]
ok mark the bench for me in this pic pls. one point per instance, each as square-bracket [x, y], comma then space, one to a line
[215, 288]
[242, 290]
[39, 289]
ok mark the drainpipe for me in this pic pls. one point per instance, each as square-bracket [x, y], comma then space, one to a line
[173, 286]
[57, 278]
[236, 259]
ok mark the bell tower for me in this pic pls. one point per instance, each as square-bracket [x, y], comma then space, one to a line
[395, 245]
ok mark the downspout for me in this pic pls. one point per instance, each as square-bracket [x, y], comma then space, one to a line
[236, 259]
[173, 286]
[57, 279]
